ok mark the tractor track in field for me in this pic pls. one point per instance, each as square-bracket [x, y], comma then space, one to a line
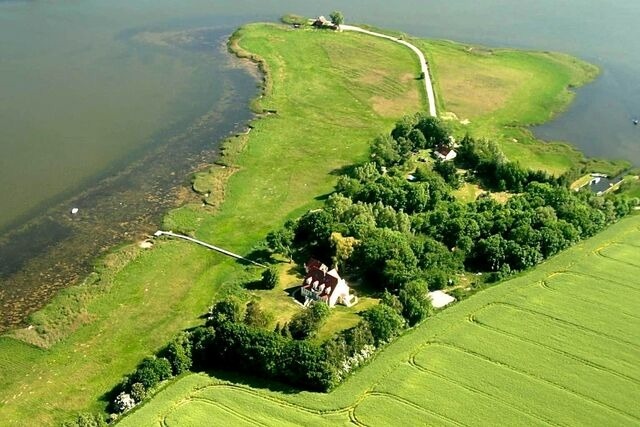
[536, 378]
[477, 391]
[478, 323]
[413, 405]
[564, 322]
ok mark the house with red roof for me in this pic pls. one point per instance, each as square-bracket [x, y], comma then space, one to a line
[322, 284]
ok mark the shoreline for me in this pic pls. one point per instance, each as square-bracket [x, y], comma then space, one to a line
[55, 250]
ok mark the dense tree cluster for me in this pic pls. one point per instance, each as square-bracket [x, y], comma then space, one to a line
[403, 229]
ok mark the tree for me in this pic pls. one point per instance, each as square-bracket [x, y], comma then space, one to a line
[151, 371]
[281, 241]
[179, 353]
[344, 248]
[226, 310]
[306, 323]
[384, 151]
[337, 17]
[270, 278]
[138, 392]
[254, 316]
[202, 339]
[416, 305]
[448, 172]
[86, 420]
[433, 130]
[385, 323]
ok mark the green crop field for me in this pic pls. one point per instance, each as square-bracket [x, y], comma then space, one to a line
[559, 345]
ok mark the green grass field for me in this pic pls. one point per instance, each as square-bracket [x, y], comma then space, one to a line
[559, 345]
[332, 93]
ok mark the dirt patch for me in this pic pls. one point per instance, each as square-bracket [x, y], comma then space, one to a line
[407, 77]
[373, 77]
[386, 107]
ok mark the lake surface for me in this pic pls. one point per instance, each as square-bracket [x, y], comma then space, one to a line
[108, 106]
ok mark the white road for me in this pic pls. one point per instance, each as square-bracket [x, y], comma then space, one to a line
[423, 62]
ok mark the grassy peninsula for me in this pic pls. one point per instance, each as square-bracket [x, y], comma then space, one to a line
[326, 95]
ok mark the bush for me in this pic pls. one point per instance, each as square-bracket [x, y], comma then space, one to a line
[416, 306]
[254, 316]
[151, 371]
[138, 392]
[124, 402]
[384, 322]
[270, 278]
[202, 339]
[306, 323]
[86, 420]
[179, 353]
[226, 310]
[437, 280]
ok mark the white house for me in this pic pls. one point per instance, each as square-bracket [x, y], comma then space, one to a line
[322, 284]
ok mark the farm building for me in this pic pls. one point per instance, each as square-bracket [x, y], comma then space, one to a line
[445, 153]
[322, 284]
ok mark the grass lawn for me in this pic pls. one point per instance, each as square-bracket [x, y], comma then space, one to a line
[557, 345]
[330, 94]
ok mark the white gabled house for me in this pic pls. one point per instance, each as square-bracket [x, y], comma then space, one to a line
[322, 284]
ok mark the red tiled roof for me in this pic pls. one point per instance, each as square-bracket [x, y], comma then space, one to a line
[316, 273]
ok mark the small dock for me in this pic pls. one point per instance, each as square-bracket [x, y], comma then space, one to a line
[160, 233]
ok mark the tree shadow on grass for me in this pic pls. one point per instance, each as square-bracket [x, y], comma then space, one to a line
[253, 382]
[344, 170]
[254, 285]
[259, 255]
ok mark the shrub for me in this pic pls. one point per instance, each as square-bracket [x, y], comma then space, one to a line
[138, 392]
[270, 278]
[226, 310]
[202, 339]
[416, 305]
[254, 316]
[179, 353]
[306, 323]
[151, 371]
[384, 322]
[86, 420]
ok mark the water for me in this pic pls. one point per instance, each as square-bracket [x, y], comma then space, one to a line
[102, 106]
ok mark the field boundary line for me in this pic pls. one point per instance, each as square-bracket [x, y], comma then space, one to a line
[596, 277]
[279, 402]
